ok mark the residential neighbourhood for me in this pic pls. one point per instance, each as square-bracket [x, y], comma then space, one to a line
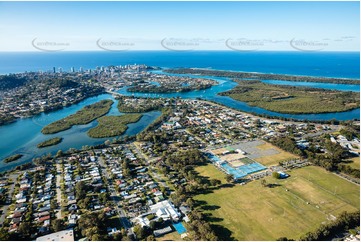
[147, 186]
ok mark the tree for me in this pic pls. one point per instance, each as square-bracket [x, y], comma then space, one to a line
[276, 175]
[57, 225]
[139, 232]
[151, 238]
[264, 182]
[25, 229]
[229, 178]
[284, 239]
[59, 153]
[53, 204]
[4, 234]
[215, 182]
[335, 151]
[92, 225]
[103, 197]
[80, 190]
[118, 236]
[152, 224]
[190, 202]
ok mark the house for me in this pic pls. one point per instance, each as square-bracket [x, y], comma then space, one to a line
[42, 219]
[43, 209]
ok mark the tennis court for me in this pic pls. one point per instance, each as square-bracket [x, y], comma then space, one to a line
[244, 170]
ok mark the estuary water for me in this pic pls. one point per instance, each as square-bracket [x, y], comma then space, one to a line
[225, 84]
[23, 135]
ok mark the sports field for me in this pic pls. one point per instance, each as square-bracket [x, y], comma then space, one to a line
[299, 204]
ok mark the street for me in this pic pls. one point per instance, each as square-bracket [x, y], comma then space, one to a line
[115, 198]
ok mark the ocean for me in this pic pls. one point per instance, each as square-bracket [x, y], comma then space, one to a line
[328, 64]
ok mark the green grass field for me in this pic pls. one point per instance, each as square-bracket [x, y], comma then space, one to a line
[356, 163]
[254, 212]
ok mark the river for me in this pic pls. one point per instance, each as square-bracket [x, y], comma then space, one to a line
[23, 135]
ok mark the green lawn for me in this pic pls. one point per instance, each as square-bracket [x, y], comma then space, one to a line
[254, 212]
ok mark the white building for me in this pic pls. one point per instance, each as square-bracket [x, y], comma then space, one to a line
[165, 210]
[64, 235]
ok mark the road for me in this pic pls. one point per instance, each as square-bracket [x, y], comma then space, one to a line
[116, 199]
[310, 135]
[5, 208]
[58, 191]
[140, 153]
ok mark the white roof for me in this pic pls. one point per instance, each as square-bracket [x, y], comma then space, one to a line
[64, 235]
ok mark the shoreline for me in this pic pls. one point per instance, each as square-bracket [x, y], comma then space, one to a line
[261, 76]
[266, 73]
[255, 115]
[50, 110]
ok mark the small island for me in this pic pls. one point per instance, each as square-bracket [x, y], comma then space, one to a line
[12, 158]
[50, 142]
[84, 116]
[293, 100]
[110, 126]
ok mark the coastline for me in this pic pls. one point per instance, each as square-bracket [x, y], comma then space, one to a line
[265, 73]
[261, 76]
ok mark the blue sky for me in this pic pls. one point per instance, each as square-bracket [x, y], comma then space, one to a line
[28, 26]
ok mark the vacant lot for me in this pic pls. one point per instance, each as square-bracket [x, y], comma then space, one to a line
[273, 159]
[293, 207]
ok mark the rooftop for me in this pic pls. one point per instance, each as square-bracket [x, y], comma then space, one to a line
[64, 235]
